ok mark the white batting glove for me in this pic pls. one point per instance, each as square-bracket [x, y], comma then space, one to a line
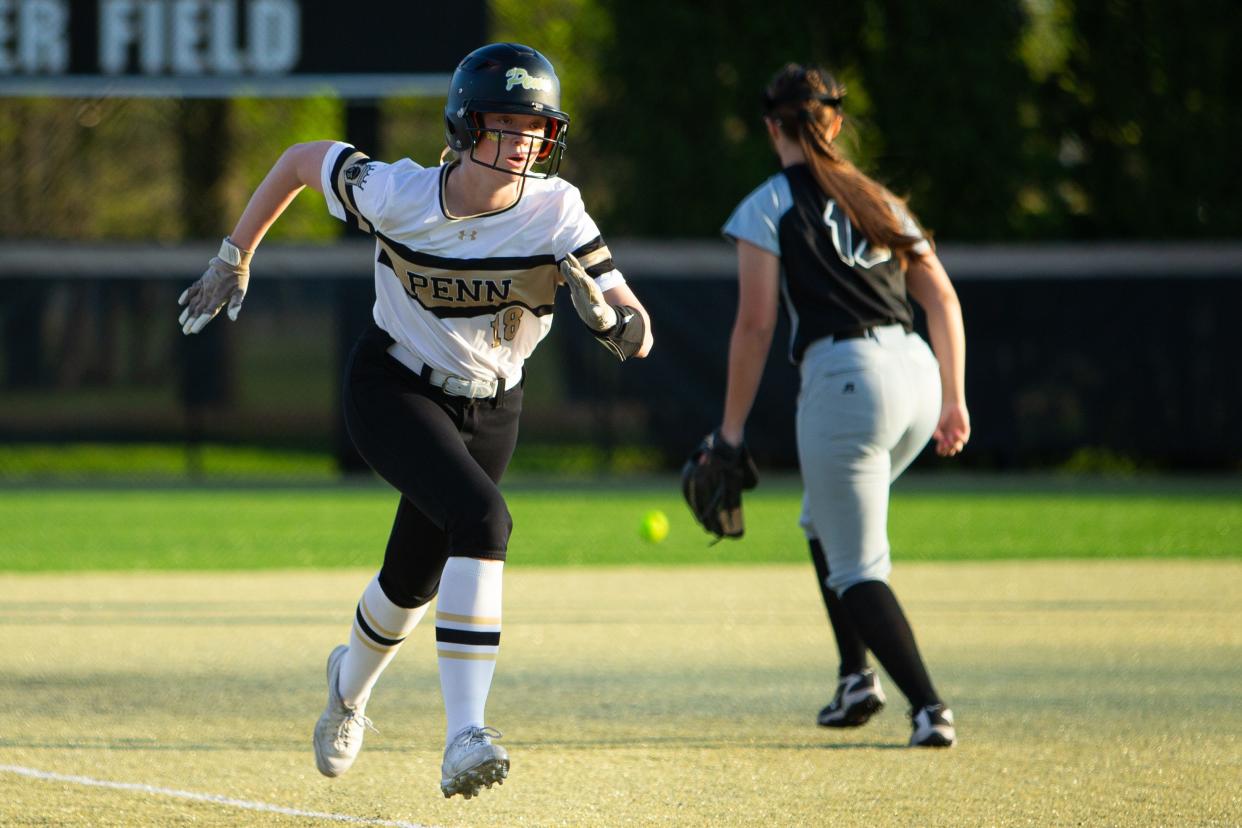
[224, 281]
[588, 298]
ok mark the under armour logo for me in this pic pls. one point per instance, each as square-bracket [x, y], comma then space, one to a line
[848, 389]
[461, 234]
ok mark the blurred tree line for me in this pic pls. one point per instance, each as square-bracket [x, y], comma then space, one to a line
[1009, 120]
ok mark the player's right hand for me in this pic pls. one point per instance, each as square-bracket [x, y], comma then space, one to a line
[224, 282]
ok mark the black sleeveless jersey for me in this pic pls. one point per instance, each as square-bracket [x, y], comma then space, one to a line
[833, 280]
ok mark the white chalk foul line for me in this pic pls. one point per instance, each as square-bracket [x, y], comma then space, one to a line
[216, 799]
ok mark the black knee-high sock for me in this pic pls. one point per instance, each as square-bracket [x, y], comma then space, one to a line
[883, 626]
[849, 643]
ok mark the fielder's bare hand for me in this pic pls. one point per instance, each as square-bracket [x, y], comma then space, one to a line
[224, 282]
[953, 429]
[587, 297]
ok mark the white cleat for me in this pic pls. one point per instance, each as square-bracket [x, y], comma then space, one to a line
[339, 731]
[471, 762]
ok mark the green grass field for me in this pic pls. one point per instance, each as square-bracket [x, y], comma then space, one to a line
[1089, 640]
[264, 528]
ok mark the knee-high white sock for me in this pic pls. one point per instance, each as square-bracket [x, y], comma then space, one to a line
[379, 628]
[467, 638]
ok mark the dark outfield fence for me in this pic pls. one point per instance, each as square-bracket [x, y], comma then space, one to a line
[1085, 354]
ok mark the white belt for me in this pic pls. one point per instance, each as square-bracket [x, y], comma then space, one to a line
[475, 389]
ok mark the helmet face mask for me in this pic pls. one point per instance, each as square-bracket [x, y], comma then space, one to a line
[511, 79]
[544, 156]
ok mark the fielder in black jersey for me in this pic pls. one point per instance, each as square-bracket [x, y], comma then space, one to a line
[872, 393]
[468, 257]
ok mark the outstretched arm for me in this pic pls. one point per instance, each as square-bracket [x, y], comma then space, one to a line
[228, 274]
[298, 167]
[758, 273]
[928, 283]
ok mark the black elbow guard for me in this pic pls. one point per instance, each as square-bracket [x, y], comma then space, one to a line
[626, 337]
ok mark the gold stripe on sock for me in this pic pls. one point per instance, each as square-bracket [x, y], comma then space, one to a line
[466, 656]
[481, 620]
[362, 605]
[366, 640]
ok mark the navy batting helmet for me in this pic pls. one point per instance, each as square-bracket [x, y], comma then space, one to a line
[509, 78]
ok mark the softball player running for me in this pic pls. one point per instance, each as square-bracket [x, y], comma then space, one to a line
[468, 256]
[872, 393]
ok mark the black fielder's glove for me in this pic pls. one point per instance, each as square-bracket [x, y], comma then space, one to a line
[712, 481]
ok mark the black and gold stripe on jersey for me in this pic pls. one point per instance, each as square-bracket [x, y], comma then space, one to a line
[455, 288]
[350, 171]
[595, 257]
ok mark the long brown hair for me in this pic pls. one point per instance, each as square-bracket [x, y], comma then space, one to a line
[805, 102]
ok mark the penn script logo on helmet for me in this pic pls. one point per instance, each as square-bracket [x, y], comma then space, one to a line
[517, 76]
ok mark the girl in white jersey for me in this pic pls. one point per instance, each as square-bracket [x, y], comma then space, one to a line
[468, 256]
[842, 253]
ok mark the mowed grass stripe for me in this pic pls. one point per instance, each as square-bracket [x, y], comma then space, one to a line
[213, 528]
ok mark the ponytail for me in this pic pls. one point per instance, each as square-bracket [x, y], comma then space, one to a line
[806, 103]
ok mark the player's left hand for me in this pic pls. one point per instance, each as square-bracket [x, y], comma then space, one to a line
[588, 299]
[225, 281]
[953, 429]
[712, 481]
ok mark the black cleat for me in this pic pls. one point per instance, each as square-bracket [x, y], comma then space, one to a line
[933, 727]
[858, 698]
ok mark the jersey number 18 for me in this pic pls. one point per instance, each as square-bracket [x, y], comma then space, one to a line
[505, 325]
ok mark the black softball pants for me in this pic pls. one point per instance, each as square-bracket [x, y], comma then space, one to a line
[444, 454]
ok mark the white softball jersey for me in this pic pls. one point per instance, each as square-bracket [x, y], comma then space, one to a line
[468, 296]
